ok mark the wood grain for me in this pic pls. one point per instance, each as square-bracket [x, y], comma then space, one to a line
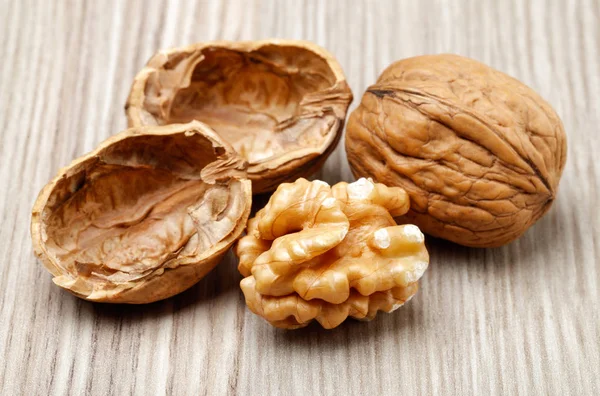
[522, 319]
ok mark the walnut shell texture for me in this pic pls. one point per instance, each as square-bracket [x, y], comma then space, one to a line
[144, 216]
[280, 103]
[479, 153]
[326, 253]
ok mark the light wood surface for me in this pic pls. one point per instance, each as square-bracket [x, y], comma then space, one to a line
[522, 319]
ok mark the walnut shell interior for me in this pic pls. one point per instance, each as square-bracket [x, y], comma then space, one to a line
[479, 153]
[144, 216]
[280, 104]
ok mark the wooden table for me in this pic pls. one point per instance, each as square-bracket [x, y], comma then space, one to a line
[522, 319]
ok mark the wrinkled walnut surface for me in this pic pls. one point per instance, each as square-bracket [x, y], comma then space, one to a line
[326, 253]
[144, 216]
[479, 153]
[280, 104]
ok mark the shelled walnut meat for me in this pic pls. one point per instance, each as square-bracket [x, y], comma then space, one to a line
[144, 216]
[326, 253]
[479, 153]
[281, 104]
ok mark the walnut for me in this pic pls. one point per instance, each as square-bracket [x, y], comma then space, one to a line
[326, 253]
[144, 216]
[280, 104]
[479, 153]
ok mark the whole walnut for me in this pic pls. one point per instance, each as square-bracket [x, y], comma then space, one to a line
[479, 153]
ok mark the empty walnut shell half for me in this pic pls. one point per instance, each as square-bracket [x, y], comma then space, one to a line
[479, 153]
[326, 253]
[280, 104]
[144, 216]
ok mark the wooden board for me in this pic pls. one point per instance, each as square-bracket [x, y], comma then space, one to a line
[522, 319]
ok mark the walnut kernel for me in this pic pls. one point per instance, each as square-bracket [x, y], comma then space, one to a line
[326, 253]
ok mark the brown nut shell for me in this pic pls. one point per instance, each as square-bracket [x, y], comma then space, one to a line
[144, 216]
[479, 153]
[280, 103]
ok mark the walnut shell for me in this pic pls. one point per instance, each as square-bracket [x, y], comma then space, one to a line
[281, 104]
[144, 216]
[326, 253]
[479, 153]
